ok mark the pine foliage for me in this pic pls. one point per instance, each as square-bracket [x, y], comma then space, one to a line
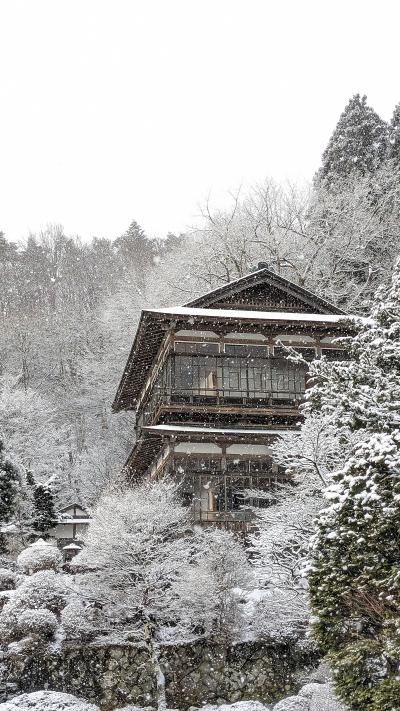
[357, 145]
[44, 515]
[354, 573]
[9, 485]
[394, 136]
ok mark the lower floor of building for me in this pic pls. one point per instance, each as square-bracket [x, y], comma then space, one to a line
[224, 475]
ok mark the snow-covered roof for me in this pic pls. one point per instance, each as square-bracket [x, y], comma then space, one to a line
[40, 542]
[250, 315]
[72, 547]
[73, 504]
[150, 445]
[212, 430]
[74, 520]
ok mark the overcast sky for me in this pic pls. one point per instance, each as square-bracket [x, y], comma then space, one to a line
[113, 110]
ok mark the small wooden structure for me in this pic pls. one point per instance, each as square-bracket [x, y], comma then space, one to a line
[73, 521]
[212, 389]
[70, 551]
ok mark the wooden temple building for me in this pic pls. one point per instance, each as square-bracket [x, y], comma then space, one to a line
[212, 388]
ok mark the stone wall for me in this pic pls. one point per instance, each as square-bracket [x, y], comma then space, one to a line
[199, 672]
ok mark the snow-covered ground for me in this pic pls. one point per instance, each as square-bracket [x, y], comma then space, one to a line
[312, 697]
[47, 701]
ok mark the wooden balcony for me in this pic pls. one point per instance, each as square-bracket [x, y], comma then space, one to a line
[192, 408]
[208, 388]
[240, 521]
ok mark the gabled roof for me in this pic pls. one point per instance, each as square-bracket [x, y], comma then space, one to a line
[269, 288]
[71, 506]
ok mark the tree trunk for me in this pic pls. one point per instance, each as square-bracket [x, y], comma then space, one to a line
[154, 649]
[160, 678]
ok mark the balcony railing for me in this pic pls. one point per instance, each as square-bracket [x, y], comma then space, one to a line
[226, 381]
[160, 398]
[226, 516]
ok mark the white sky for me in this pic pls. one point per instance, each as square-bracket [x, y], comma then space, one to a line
[113, 110]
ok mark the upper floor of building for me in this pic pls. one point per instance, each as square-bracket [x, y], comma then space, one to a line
[223, 358]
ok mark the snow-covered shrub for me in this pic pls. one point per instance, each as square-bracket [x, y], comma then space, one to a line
[7, 579]
[311, 697]
[41, 623]
[43, 589]
[33, 608]
[141, 551]
[76, 621]
[39, 556]
[47, 701]
[293, 703]
[211, 589]
[8, 627]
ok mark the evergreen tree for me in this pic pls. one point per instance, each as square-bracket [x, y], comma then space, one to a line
[44, 515]
[357, 145]
[8, 250]
[354, 574]
[394, 136]
[9, 484]
[136, 252]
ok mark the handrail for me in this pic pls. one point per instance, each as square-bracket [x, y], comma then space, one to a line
[224, 515]
[215, 390]
[197, 396]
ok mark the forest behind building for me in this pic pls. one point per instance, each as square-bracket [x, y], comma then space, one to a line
[69, 308]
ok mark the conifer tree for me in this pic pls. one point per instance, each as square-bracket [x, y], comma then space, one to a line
[394, 136]
[9, 484]
[136, 251]
[357, 145]
[44, 515]
[354, 574]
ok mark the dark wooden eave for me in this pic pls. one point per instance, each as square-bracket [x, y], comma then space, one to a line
[155, 323]
[153, 438]
[149, 336]
[264, 281]
[145, 451]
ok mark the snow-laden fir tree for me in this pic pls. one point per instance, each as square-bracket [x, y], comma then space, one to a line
[394, 136]
[43, 515]
[136, 252]
[9, 486]
[281, 540]
[354, 573]
[357, 145]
